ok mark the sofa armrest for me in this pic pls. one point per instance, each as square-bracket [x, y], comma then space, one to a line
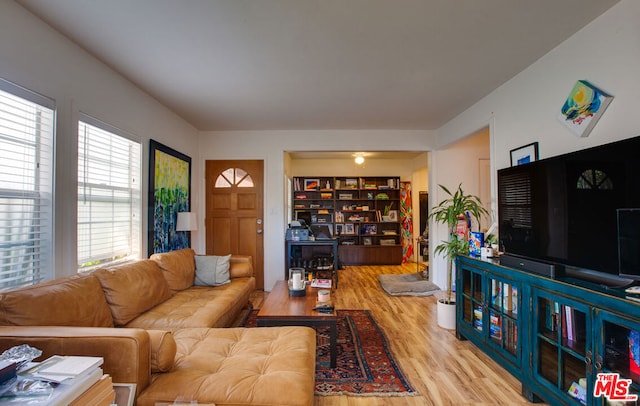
[126, 351]
[240, 266]
[163, 350]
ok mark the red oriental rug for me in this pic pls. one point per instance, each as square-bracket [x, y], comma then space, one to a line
[365, 366]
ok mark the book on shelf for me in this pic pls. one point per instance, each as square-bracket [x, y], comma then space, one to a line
[495, 329]
[567, 323]
[477, 318]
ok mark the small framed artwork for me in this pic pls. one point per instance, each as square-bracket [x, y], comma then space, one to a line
[349, 229]
[366, 240]
[583, 108]
[393, 215]
[351, 183]
[525, 154]
[311, 184]
[369, 229]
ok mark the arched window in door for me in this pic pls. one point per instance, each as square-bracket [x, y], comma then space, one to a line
[594, 179]
[234, 177]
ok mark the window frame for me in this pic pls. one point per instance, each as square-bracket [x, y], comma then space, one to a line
[43, 193]
[136, 202]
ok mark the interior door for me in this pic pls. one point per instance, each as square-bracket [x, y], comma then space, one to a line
[234, 210]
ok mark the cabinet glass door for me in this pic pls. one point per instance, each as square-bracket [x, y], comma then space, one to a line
[472, 298]
[560, 351]
[618, 352]
[503, 315]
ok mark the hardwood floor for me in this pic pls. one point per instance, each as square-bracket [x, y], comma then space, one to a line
[444, 370]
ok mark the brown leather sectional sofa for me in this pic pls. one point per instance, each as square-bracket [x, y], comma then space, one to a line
[156, 329]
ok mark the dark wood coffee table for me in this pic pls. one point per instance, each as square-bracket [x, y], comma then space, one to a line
[280, 309]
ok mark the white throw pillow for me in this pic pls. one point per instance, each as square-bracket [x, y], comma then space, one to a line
[212, 270]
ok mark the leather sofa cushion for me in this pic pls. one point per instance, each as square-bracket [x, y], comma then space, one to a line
[163, 350]
[199, 306]
[132, 289]
[239, 366]
[71, 301]
[240, 266]
[178, 267]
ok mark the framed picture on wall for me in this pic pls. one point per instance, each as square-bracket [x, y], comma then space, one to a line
[169, 194]
[525, 154]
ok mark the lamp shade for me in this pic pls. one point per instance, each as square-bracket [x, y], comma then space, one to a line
[187, 221]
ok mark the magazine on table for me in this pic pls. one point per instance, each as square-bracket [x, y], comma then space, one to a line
[321, 283]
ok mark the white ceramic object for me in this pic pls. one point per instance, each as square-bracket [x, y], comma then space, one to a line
[446, 315]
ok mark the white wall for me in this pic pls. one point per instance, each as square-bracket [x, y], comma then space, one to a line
[606, 52]
[38, 58]
[271, 146]
[347, 167]
[453, 165]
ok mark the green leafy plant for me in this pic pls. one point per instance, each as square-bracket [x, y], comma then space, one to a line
[490, 239]
[387, 209]
[449, 211]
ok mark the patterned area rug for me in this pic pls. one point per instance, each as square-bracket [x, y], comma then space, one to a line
[365, 366]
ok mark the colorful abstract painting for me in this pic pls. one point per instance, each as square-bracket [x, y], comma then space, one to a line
[584, 107]
[406, 221]
[169, 193]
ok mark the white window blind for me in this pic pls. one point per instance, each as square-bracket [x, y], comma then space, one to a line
[109, 204]
[26, 191]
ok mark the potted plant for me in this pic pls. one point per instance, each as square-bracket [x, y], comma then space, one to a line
[456, 207]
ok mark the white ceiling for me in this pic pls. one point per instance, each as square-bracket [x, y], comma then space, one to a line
[318, 64]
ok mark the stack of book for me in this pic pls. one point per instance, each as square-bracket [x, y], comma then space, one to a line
[63, 380]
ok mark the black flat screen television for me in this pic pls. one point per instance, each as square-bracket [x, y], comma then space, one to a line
[564, 211]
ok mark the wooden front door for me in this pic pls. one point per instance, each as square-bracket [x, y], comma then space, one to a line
[234, 211]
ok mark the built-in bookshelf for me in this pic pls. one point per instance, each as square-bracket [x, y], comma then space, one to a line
[363, 213]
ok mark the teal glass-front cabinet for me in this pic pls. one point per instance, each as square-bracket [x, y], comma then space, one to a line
[569, 342]
[562, 349]
[489, 314]
[575, 341]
